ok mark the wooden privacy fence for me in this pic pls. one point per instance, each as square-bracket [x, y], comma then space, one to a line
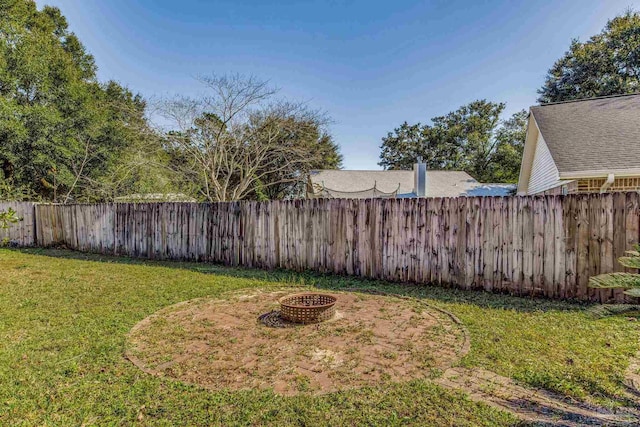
[23, 233]
[542, 245]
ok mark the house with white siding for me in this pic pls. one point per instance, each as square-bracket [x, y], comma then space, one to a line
[584, 146]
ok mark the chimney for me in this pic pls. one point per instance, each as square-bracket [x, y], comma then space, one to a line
[420, 178]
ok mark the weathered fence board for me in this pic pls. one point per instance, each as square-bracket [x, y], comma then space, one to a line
[22, 233]
[543, 245]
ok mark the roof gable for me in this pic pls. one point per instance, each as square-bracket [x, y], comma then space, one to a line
[597, 134]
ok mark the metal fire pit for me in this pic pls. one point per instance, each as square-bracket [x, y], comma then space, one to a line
[307, 307]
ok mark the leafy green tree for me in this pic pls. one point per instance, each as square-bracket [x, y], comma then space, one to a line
[62, 133]
[507, 157]
[402, 147]
[470, 139]
[467, 136]
[607, 64]
[139, 163]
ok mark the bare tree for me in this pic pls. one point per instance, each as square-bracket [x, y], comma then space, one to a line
[234, 141]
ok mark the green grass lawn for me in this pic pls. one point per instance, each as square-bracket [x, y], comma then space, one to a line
[64, 317]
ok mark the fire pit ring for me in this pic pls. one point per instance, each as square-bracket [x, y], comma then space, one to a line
[307, 307]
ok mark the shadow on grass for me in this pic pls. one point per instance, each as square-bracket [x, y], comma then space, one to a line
[333, 282]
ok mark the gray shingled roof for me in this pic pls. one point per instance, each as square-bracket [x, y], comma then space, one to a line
[449, 183]
[594, 134]
[352, 181]
[439, 183]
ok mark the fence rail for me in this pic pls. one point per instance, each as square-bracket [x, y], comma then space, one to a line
[542, 245]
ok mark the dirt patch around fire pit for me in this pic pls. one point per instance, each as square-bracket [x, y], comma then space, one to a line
[221, 343]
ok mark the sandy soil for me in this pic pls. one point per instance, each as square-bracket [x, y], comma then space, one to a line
[221, 343]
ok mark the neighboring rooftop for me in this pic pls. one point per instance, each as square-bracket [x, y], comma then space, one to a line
[400, 183]
[155, 197]
[592, 134]
[354, 181]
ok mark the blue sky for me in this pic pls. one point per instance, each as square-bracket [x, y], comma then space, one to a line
[370, 64]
